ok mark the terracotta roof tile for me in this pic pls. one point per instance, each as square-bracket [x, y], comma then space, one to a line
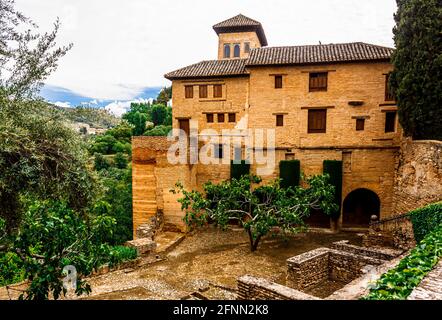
[312, 54]
[210, 68]
[237, 21]
[326, 53]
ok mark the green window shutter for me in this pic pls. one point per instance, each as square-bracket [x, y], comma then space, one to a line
[334, 170]
[237, 170]
[289, 173]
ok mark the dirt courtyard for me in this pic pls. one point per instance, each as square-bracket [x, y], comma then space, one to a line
[206, 265]
[210, 261]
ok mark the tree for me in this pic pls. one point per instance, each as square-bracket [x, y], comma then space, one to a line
[100, 162]
[53, 236]
[39, 155]
[158, 131]
[164, 96]
[257, 209]
[121, 161]
[158, 114]
[417, 76]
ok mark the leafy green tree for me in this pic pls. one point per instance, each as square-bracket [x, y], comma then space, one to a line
[121, 161]
[100, 162]
[164, 96]
[53, 236]
[158, 131]
[257, 209]
[39, 155]
[417, 76]
[117, 193]
[158, 114]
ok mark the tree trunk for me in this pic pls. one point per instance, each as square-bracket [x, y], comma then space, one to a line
[253, 243]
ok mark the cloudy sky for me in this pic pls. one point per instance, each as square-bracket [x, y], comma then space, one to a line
[122, 48]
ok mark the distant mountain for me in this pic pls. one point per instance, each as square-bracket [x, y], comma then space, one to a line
[66, 98]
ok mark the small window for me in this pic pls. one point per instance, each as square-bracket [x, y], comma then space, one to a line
[227, 50]
[318, 81]
[278, 82]
[360, 124]
[232, 117]
[246, 47]
[203, 91]
[209, 117]
[317, 120]
[279, 120]
[220, 117]
[390, 121]
[236, 50]
[217, 91]
[189, 92]
[219, 151]
[389, 96]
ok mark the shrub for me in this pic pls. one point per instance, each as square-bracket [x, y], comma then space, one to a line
[100, 162]
[121, 161]
[426, 219]
[398, 283]
[289, 173]
[120, 254]
[11, 270]
[237, 170]
[334, 169]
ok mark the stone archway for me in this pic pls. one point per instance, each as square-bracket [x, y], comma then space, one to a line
[359, 206]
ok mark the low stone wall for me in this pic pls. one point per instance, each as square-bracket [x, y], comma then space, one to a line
[317, 266]
[377, 253]
[308, 269]
[252, 288]
[346, 267]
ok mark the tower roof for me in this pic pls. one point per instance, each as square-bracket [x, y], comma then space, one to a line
[241, 23]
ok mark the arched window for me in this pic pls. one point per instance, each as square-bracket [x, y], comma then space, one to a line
[227, 51]
[236, 50]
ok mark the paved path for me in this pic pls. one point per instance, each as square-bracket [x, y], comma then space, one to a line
[431, 286]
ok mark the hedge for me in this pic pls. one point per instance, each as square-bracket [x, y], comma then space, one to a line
[334, 169]
[398, 283]
[289, 173]
[425, 220]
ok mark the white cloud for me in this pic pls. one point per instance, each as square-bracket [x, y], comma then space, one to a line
[63, 104]
[118, 108]
[122, 46]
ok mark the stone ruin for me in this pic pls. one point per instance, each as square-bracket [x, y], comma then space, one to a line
[345, 268]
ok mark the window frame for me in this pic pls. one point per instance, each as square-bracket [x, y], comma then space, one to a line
[279, 120]
[235, 47]
[227, 54]
[230, 119]
[389, 96]
[310, 114]
[210, 118]
[278, 81]
[206, 91]
[218, 151]
[313, 75]
[216, 92]
[220, 116]
[247, 47]
[390, 127]
[358, 124]
[188, 94]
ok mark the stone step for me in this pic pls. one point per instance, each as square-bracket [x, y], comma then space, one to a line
[167, 241]
[144, 246]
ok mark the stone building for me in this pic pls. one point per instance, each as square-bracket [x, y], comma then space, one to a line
[323, 102]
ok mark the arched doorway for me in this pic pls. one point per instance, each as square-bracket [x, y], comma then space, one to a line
[359, 206]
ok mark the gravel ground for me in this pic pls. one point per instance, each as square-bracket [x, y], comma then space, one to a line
[207, 262]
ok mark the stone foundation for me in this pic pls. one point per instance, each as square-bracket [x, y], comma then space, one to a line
[252, 288]
[318, 266]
